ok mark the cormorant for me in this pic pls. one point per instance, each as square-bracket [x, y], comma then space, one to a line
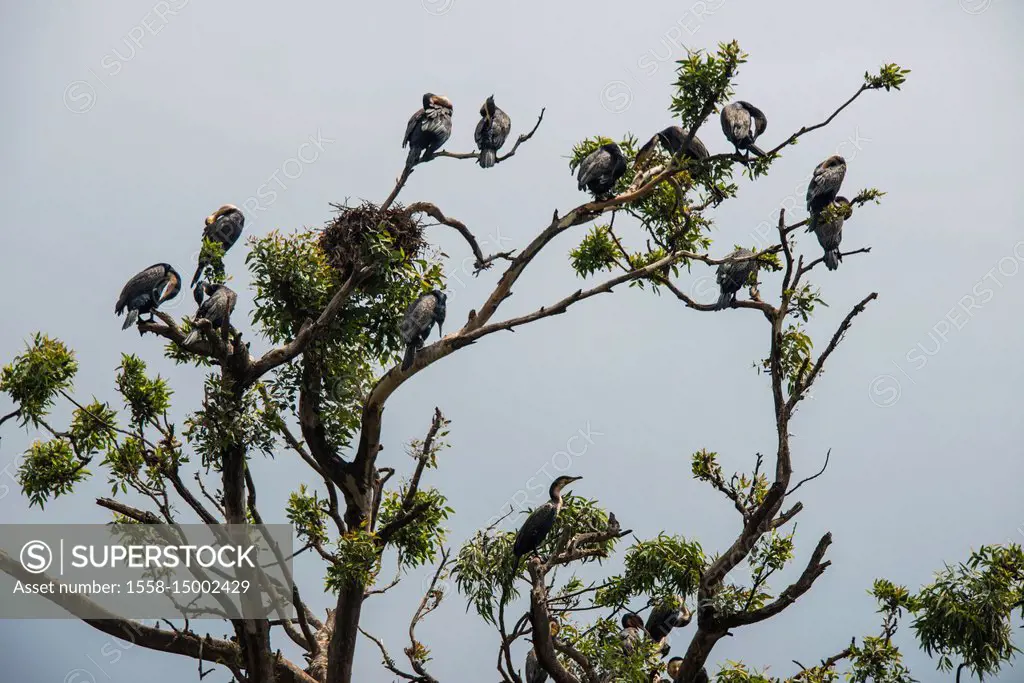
[600, 170]
[825, 183]
[742, 124]
[419, 318]
[428, 129]
[830, 233]
[632, 633]
[732, 276]
[676, 663]
[491, 132]
[663, 618]
[146, 291]
[217, 308]
[535, 673]
[671, 140]
[540, 521]
[223, 226]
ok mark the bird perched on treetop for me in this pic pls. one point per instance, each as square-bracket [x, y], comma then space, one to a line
[217, 308]
[536, 527]
[223, 227]
[419, 318]
[146, 291]
[671, 140]
[535, 673]
[428, 129]
[825, 183]
[491, 131]
[601, 169]
[742, 124]
[733, 275]
[632, 633]
[828, 226]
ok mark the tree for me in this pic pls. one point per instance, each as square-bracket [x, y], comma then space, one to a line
[329, 302]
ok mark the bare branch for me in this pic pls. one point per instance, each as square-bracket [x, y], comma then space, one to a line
[482, 262]
[813, 477]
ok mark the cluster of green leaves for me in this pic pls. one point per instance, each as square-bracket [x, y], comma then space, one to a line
[659, 569]
[877, 659]
[147, 399]
[967, 612]
[738, 672]
[484, 571]
[49, 469]
[34, 378]
[418, 541]
[212, 254]
[747, 490]
[227, 420]
[308, 514]
[597, 252]
[124, 461]
[890, 77]
[357, 561]
[704, 79]
[803, 301]
[794, 355]
[601, 645]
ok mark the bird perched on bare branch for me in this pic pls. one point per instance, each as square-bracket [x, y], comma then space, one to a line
[491, 131]
[742, 124]
[671, 140]
[223, 227]
[419, 319]
[216, 308]
[825, 183]
[828, 227]
[632, 633]
[733, 275]
[146, 291]
[535, 673]
[540, 522]
[428, 129]
[601, 169]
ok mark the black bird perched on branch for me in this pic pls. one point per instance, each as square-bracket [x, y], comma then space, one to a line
[829, 229]
[664, 617]
[825, 183]
[732, 275]
[491, 131]
[146, 291]
[223, 227]
[671, 140]
[632, 633]
[601, 169]
[535, 673]
[428, 129]
[541, 520]
[742, 124]
[216, 308]
[419, 318]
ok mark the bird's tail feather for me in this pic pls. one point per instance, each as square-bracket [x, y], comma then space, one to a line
[410, 356]
[487, 158]
[832, 259]
[413, 157]
[130, 319]
[755, 150]
[199, 272]
[724, 299]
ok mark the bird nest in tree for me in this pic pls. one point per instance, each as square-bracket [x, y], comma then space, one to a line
[364, 236]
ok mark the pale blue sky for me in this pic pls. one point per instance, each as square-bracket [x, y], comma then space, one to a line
[126, 124]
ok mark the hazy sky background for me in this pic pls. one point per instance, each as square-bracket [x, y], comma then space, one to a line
[114, 151]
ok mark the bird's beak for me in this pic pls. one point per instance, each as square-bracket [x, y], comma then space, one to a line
[576, 478]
